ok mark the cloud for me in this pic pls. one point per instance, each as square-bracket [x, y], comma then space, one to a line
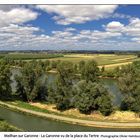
[29, 37]
[16, 34]
[19, 30]
[16, 15]
[121, 16]
[114, 26]
[68, 14]
[132, 29]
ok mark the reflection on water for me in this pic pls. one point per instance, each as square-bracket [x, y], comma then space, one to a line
[113, 88]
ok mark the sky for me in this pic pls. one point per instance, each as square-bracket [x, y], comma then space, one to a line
[69, 27]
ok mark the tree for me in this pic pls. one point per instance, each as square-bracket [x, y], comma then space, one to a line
[102, 69]
[66, 73]
[20, 88]
[127, 103]
[127, 79]
[91, 97]
[129, 83]
[54, 64]
[75, 68]
[63, 85]
[90, 71]
[81, 66]
[5, 81]
[138, 55]
[31, 83]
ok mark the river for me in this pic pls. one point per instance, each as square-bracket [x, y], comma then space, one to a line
[32, 123]
[36, 124]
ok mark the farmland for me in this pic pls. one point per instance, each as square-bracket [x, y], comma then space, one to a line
[29, 56]
[107, 60]
[101, 59]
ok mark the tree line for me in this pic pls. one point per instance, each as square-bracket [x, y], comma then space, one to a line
[75, 86]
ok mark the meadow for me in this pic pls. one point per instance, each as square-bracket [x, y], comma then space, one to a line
[107, 60]
[29, 56]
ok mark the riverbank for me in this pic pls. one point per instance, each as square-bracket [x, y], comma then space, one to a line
[116, 116]
[101, 124]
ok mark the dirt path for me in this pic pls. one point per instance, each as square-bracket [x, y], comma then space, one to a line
[114, 65]
[76, 121]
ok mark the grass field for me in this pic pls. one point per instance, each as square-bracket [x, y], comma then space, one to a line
[107, 60]
[29, 56]
[100, 59]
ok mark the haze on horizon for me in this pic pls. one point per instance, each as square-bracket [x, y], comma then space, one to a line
[70, 27]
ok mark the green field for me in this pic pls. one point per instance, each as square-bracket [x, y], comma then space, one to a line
[29, 56]
[107, 60]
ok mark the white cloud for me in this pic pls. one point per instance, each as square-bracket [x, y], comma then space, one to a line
[114, 26]
[19, 30]
[133, 28]
[121, 16]
[16, 34]
[135, 22]
[67, 14]
[16, 16]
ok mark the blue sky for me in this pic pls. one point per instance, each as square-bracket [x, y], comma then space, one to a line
[70, 27]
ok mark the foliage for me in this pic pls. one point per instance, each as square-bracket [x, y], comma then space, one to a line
[91, 96]
[54, 64]
[64, 85]
[129, 83]
[90, 71]
[31, 83]
[5, 127]
[81, 66]
[27, 56]
[5, 81]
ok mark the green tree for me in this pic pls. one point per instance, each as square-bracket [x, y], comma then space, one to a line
[5, 81]
[129, 81]
[30, 83]
[91, 97]
[90, 71]
[64, 83]
[102, 69]
[54, 64]
[81, 66]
